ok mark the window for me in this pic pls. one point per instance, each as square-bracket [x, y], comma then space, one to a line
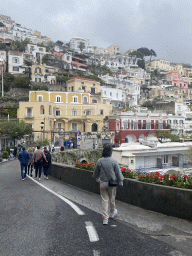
[105, 92]
[135, 126]
[40, 98]
[42, 110]
[58, 99]
[101, 112]
[75, 99]
[40, 49]
[72, 88]
[117, 96]
[125, 126]
[93, 90]
[110, 93]
[58, 112]
[59, 125]
[85, 100]
[82, 82]
[160, 126]
[148, 127]
[38, 80]
[83, 88]
[29, 112]
[132, 162]
[74, 112]
[15, 68]
[68, 58]
[166, 158]
[88, 112]
[74, 126]
[15, 60]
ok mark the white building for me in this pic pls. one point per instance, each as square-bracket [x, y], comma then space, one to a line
[75, 45]
[67, 58]
[15, 62]
[113, 95]
[21, 33]
[154, 156]
[37, 51]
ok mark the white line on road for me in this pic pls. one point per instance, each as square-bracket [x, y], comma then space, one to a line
[93, 237]
[96, 253]
[76, 208]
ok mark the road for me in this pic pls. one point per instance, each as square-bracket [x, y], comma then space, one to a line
[38, 219]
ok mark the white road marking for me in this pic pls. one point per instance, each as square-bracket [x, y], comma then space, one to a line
[93, 237]
[96, 253]
[76, 208]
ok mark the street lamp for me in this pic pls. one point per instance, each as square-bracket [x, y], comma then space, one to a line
[2, 60]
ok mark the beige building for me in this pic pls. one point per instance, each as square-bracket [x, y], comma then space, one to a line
[42, 73]
[161, 65]
[49, 112]
[113, 50]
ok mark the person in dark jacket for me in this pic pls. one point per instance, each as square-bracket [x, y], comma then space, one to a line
[15, 152]
[46, 164]
[24, 160]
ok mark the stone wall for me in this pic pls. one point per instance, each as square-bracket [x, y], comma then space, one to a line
[167, 200]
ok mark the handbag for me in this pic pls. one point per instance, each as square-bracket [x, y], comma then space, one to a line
[111, 183]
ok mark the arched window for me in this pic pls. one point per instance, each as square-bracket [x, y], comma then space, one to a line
[42, 110]
[94, 127]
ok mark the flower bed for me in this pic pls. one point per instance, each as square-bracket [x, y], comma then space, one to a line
[179, 181]
[127, 173]
[90, 166]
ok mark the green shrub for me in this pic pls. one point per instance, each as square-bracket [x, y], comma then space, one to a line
[5, 155]
[8, 150]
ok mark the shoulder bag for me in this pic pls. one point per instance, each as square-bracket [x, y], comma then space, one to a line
[111, 183]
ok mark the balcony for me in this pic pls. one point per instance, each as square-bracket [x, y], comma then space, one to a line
[28, 116]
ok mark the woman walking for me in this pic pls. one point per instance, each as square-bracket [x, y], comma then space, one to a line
[46, 164]
[107, 171]
[30, 164]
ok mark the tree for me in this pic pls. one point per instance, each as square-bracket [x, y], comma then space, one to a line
[145, 51]
[1, 24]
[141, 63]
[21, 82]
[81, 46]
[162, 134]
[8, 80]
[59, 42]
[15, 130]
[137, 54]
[45, 59]
[153, 53]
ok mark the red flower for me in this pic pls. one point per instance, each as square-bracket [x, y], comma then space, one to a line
[162, 176]
[184, 176]
[138, 176]
[151, 175]
[123, 169]
[157, 174]
[172, 177]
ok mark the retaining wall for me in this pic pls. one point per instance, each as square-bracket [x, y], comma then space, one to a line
[163, 199]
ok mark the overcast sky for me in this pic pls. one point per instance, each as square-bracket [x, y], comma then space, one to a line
[162, 25]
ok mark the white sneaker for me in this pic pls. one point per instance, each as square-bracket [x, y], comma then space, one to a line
[105, 221]
[39, 179]
[112, 215]
[47, 178]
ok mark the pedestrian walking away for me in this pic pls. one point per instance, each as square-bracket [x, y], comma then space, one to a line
[24, 160]
[46, 164]
[38, 157]
[15, 152]
[108, 175]
[30, 164]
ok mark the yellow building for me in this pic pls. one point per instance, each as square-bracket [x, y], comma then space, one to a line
[178, 67]
[187, 71]
[42, 73]
[49, 111]
[161, 65]
[113, 50]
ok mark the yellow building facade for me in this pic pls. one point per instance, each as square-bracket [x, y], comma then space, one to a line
[49, 111]
[113, 50]
[163, 65]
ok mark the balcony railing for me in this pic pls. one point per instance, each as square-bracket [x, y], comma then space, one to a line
[30, 116]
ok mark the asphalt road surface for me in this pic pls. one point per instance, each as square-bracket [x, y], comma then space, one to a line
[36, 221]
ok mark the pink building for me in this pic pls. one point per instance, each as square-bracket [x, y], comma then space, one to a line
[58, 54]
[176, 80]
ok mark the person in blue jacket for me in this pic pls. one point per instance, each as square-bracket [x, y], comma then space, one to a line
[24, 160]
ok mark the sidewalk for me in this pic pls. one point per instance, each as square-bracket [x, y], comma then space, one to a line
[174, 231]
